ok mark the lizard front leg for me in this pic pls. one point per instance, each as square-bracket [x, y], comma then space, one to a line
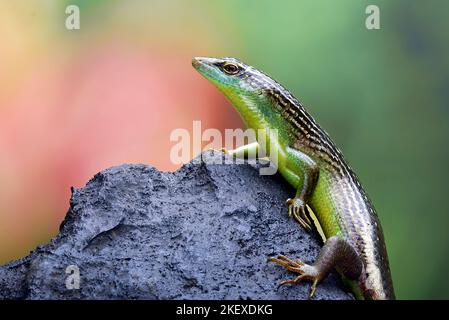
[247, 151]
[302, 172]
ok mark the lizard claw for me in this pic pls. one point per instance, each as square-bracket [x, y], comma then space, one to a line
[306, 272]
[297, 209]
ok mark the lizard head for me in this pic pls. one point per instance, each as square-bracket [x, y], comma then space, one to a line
[229, 75]
[253, 93]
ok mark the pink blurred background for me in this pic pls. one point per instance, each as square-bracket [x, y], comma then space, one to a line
[73, 103]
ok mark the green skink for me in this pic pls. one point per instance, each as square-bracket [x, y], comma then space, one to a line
[329, 194]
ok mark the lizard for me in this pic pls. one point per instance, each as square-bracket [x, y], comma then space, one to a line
[329, 194]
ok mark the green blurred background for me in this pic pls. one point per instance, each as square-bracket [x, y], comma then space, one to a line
[75, 102]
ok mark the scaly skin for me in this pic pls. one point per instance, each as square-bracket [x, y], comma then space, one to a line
[313, 165]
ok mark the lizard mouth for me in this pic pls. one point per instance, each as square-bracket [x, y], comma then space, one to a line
[199, 62]
[205, 66]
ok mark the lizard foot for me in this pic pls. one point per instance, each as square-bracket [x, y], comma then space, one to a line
[297, 209]
[306, 272]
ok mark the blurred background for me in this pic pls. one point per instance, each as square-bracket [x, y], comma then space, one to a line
[74, 102]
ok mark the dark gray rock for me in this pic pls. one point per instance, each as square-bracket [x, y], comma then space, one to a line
[203, 232]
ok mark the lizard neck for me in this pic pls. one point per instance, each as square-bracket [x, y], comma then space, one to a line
[259, 113]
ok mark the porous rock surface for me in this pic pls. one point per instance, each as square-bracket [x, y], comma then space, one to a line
[202, 232]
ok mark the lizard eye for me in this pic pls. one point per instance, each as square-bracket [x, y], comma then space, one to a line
[230, 68]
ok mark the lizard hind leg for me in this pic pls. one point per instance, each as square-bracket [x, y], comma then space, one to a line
[336, 252]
